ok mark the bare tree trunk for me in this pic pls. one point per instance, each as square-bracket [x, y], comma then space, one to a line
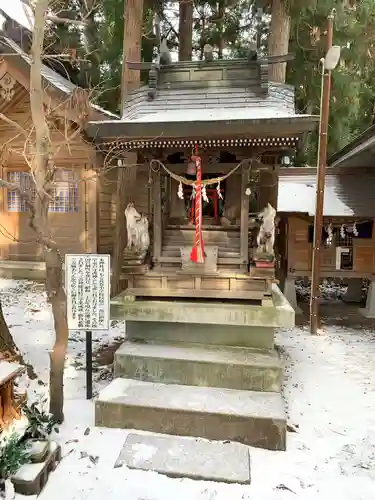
[92, 43]
[7, 344]
[185, 50]
[43, 171]
[133, 24]
[9, 348]
[56, 295]
[221, 12]
[133, 17]
[278, 41]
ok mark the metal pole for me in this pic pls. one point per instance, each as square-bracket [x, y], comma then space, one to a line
[88, 365]
[320, 182]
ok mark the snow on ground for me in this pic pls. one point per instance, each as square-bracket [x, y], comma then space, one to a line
[330, 393]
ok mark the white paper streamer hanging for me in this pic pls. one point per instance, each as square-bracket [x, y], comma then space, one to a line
[204, 194]
[330, 235]
[180, 192]
[219, 195]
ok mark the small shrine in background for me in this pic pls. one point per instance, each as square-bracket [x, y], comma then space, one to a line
[204, 141]
[209, 137]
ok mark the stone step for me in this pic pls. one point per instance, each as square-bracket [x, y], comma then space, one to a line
[176, 456]
[191, 364]
[249, 417]
[209, 241]
[168, 251]
[211, 233]
[212, 334]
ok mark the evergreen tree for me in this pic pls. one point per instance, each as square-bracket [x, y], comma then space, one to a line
[351, 106]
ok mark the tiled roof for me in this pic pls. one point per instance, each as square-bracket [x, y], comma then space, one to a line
[348, 193]
[210, 103]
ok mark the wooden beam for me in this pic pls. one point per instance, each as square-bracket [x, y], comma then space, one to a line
[244, 235]
[157, 219]
[91, 210]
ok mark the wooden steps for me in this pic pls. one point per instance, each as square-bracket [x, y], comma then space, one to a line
[227, 241]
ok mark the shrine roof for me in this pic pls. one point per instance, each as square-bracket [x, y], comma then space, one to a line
[51, 79]
[202, 98]
[9, 371]
[209, 103]
[358, 153]
[347, 194]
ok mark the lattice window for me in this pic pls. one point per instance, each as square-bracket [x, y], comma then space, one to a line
[26, 183]
[347, 241]
[270, 158]
[65, 192]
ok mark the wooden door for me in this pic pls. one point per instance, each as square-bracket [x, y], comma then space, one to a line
[299, 248]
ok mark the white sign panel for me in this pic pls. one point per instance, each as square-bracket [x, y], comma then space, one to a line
[87, 282]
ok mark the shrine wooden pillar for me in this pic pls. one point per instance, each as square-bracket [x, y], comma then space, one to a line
[244, 220]
[157, 219]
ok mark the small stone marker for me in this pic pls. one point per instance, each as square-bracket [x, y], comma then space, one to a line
[175, 456]
[31, 478]
[38, 450]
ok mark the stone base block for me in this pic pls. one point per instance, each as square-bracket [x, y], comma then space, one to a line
[31, 478]
[353, 294]
[226, 462]
[277, 314]
[210, 366]
[226, 335]
[291, 295]
[252, 418]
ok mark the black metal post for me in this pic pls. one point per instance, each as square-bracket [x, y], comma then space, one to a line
[88, 364]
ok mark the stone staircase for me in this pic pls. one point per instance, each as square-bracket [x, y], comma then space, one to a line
[218, 392]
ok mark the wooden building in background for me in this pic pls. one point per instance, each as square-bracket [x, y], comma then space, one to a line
[73, 208]
[348, 237]
[358, 155]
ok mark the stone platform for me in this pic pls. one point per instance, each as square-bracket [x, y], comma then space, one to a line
[204, 369]
[278, 313]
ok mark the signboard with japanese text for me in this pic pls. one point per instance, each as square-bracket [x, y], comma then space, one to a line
[87, 286]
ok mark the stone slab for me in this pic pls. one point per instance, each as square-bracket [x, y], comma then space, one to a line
[214, 312]
[249, 417]
[38, 450]
[256, 337]
[32, 270]
[226, 462]
[205, 365]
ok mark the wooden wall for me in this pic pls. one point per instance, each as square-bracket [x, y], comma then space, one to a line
[75, 231]
[299, 250]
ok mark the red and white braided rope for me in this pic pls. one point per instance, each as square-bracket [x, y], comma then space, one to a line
[197, 253]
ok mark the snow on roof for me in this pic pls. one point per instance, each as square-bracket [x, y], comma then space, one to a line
[19, 12]
[346, 194]
[216, 114]
[54, 78]
[9, 370]
[209, 103]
